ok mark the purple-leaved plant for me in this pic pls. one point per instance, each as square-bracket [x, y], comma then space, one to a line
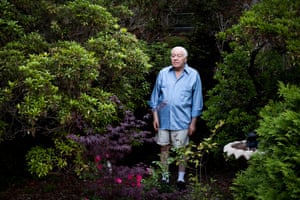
[111, 181]
[118, 140]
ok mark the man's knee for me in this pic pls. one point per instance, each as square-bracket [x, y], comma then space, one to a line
[164, 147]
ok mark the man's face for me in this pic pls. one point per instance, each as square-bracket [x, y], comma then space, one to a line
[177, 58]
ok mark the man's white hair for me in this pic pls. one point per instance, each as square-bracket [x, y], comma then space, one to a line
[185, 53]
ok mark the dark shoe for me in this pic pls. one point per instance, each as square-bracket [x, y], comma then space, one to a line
[181, 185]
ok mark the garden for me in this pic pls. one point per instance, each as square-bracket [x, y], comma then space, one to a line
[76, 77]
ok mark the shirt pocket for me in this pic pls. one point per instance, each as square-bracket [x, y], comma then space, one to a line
[186, 96]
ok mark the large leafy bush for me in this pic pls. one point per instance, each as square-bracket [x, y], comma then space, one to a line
[273, 173]
[60, 74]
[262, 49]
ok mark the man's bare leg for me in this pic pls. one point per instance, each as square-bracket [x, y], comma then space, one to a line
[164, 155]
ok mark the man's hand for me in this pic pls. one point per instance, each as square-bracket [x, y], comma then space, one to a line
[155, 121]
[192, 127]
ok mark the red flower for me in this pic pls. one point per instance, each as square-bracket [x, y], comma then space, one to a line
[139, 177]
[97, 159]
[138, 180]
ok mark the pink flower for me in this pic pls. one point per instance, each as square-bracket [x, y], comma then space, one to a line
[118, 180]
[97, 159]
[138, 180]
[139, 177]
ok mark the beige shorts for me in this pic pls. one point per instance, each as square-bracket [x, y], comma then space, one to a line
[178, 138]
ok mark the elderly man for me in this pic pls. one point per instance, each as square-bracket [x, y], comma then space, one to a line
[176, 102]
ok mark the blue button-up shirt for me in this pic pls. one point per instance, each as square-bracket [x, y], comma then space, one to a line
[177, 100]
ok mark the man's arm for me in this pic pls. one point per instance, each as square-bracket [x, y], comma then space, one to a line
[192, 127]
[155, 121]
[197, 105]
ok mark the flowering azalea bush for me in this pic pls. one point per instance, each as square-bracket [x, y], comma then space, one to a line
[130, 183]
[115, 182]
[109, 175]
[104, 173]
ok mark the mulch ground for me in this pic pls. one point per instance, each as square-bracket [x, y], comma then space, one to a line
[52, 188]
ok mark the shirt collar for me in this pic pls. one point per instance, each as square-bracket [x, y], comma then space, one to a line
[185, 69]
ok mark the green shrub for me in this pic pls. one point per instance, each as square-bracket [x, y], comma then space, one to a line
[273, 173]
[65, 155]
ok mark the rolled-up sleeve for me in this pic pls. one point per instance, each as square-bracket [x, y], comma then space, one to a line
[155, 95]
[197, 98]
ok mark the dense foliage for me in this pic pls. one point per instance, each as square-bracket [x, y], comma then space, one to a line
[264, 49]
[67, 61]
[273, 172]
